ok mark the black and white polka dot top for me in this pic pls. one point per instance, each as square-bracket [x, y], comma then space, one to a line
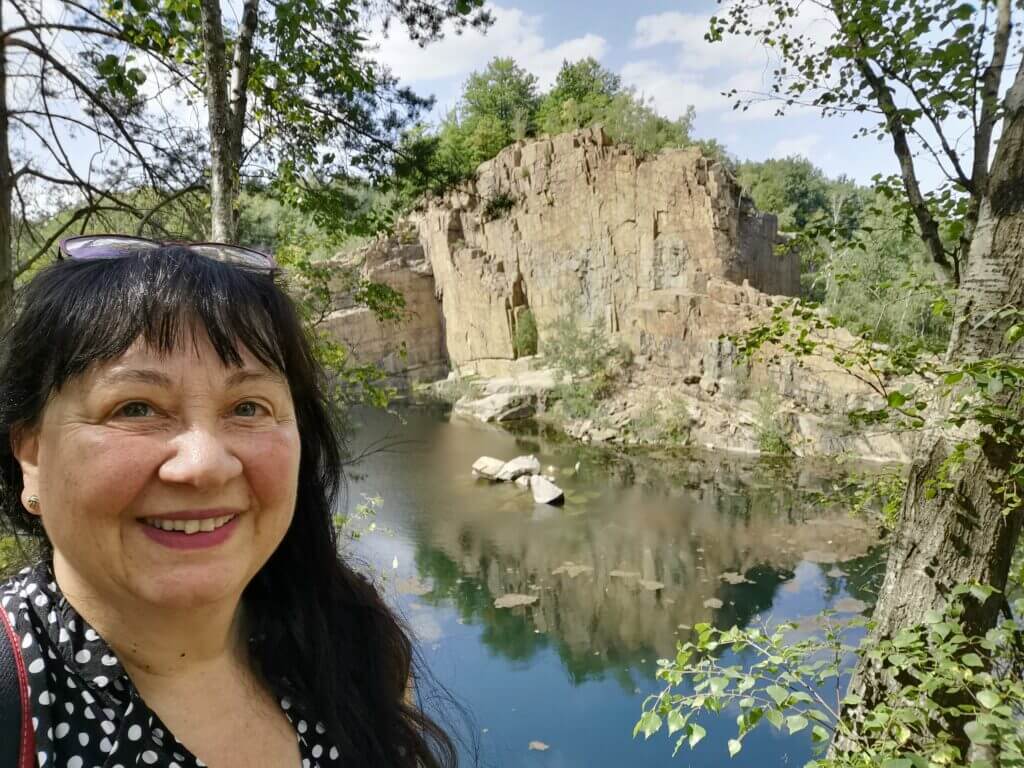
[85, 710]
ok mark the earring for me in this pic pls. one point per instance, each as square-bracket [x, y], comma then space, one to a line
[33, 502]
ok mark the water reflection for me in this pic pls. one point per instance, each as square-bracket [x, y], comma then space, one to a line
[643, 548]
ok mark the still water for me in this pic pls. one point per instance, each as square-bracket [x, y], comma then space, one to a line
[644, 548]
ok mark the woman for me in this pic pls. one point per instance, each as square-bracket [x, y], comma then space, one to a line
[167, 441]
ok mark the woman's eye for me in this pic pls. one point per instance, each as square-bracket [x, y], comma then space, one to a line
[249, 409]
[135, 410]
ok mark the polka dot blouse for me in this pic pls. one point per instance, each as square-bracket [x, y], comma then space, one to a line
[85, 710]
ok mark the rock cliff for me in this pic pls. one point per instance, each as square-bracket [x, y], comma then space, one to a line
[572, 223]
[663, 253]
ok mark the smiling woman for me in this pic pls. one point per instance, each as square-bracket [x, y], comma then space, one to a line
[165, 439]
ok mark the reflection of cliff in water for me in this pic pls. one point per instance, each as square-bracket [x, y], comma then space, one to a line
[643, 549]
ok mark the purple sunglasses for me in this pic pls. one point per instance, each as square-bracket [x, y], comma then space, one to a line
[88, 247]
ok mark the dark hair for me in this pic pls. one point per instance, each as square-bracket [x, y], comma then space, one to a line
[322, 635]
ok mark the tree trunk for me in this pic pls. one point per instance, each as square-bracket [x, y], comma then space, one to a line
[963, 534]
[6, 199]
[223, 172]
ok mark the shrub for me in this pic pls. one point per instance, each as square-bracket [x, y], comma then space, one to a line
[497, 205]
[772, 438]
[525, 339]
[586, 360]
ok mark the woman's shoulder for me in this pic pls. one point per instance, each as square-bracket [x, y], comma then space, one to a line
[17, 591]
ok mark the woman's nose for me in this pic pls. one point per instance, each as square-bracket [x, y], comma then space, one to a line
[201, 459]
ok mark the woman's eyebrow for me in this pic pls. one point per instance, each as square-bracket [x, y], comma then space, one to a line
[247, 375]
[158, 378]
[136, 376]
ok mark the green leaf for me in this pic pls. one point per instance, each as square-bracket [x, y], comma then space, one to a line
[675, 721]
[896, 399]
[774, 717]
[734, 747]
[989, 699]
[697, 733]
[778, 693]
[972, 660]
[796, 723]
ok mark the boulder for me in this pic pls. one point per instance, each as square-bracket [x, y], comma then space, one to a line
[503, 406]
[546, 492]
[488, 467]
[523, 481]
[517, 467]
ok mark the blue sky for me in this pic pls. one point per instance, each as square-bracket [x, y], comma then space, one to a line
[658, 48]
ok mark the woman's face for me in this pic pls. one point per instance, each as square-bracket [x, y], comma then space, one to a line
[148, 443]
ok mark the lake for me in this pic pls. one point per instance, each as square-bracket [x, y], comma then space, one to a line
[646, 546]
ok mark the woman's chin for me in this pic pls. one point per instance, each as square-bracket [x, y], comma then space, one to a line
[192, 586]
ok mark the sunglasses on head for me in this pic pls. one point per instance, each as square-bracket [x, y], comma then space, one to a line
[89, 247]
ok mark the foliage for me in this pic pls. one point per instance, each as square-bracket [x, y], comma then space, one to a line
[925, 69]
[944, 676]
[500, 104]
[525, 338]
[772, 436]
[453, 389]
[361, 520]
[504, 96]
[498, 205]
[581, 94]
[798, 192]
[314, 283]
[877, 495]
[317, 115]
[628, 119]
[586, 361]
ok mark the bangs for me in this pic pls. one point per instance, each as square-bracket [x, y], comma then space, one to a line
[94, 311]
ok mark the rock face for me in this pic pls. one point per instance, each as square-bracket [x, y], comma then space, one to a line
[412, 349]
[572, 223]
[662, 253]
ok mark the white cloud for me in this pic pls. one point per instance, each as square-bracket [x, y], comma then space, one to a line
[698, 72]
[796, 145]
[514, 33]
[673, 91]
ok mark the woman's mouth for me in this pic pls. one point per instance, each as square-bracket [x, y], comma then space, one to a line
[190, 534]
[189, 527]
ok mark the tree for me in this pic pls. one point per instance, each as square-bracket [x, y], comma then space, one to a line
[293, 97]
[504, 96]
[792, 188]
[79, 132]
[962, 512]
[946, 60]
[582, 91]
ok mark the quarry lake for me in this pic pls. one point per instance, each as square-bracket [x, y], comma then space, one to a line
[645, 547]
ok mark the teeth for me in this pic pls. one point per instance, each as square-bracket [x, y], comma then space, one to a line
[188, 527]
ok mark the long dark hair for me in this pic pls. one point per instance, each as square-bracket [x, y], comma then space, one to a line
[322, 635]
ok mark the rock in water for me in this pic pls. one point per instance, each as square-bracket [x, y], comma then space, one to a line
[488, 467]
[523, 481]
[503, 406]
[512, 600]
[545, 492]
[519, 466]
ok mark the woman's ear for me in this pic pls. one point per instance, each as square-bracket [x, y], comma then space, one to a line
[25, 447]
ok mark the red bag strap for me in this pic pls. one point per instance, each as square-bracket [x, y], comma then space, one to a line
[26, 746]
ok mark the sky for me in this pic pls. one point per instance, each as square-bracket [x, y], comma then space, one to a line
[657, 47]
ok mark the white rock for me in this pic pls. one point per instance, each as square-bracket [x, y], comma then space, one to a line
[523, 481]
[545, 492]
[519, 466]
[488, 467]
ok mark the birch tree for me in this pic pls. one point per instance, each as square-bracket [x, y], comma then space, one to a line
[293, 95]
[79, 133]
[950, 64]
